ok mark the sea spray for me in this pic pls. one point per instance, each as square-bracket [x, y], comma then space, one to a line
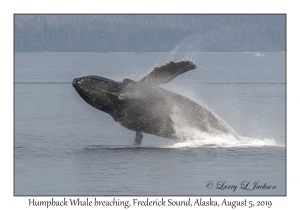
[198, 123]
[219, 142]
[191, 136]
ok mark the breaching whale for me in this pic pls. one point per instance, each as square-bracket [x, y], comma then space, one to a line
[143, 107]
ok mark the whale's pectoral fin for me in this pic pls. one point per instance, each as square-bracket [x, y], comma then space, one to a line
[166, 73]
[138, 138]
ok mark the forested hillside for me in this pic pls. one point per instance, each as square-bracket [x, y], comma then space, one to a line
[149, 33]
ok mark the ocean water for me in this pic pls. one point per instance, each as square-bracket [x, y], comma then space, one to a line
[63, 146]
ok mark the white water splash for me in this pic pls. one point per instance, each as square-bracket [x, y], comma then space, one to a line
[225, 141]
[194, 137]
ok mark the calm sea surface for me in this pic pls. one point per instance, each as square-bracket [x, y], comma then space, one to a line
[63, 146]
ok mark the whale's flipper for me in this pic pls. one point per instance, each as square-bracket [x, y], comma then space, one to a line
[164, 74]
[138, 138]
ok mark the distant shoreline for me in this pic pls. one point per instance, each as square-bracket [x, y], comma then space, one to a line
[281, 52]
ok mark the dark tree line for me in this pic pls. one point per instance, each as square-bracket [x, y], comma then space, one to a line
[149, 33]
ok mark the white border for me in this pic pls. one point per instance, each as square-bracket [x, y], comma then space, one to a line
[8, 8]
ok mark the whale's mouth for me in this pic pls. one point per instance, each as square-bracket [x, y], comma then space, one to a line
[96, 85]
[93, 82]
[94, 78]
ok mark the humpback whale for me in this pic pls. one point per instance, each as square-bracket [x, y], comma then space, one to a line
[144, 107]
